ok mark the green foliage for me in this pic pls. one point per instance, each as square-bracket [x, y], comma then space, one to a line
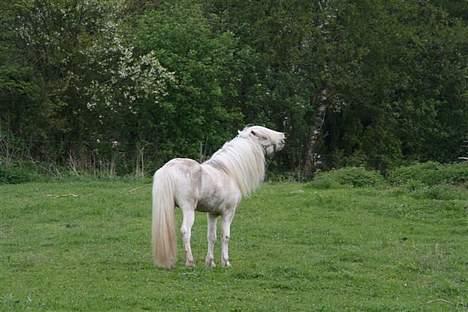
[202, 107]
[20, 105]
[15, 174]
[438, 191]
[146, 81]
[430, 173]
[349, 176]
[12, 176]
[323, 181]
[425, 180]
[388, 94]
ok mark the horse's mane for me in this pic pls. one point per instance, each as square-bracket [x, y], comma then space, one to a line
[243, 159]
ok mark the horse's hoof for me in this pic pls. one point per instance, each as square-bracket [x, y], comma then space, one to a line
[225, 264]
[210, 263]
[190, 264]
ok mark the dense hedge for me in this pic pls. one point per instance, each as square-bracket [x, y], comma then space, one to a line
[412, 177]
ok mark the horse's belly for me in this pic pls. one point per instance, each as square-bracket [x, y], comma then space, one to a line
[211, 205]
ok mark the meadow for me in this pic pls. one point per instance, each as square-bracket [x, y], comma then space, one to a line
[84, 245]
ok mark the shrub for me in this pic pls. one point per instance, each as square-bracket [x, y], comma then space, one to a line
[438, 192]
[324, 181]
[14, 175]
[430, 173]
[351, 176]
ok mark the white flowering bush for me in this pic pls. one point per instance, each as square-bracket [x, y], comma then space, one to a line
[121, 80]
[89, 68]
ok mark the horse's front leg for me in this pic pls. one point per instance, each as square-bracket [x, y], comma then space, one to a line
[226, 229]
[186, 230]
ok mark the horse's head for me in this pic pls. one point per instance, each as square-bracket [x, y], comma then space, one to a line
[270, 140]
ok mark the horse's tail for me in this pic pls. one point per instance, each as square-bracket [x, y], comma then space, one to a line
[163, 224]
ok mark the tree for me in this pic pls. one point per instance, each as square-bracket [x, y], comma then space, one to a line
[202, 110]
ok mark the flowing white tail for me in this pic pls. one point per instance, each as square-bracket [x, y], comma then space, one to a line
[163, 227]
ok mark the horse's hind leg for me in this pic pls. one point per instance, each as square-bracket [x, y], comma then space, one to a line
[226, 227]
[186, 230]
[211, 236]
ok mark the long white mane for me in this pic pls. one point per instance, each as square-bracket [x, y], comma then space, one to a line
[243, 159]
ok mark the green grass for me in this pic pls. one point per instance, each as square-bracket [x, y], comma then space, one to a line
[84, 246]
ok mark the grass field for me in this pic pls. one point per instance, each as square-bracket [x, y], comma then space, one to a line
[84, 246]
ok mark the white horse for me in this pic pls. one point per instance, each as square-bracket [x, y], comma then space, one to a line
[215, 186]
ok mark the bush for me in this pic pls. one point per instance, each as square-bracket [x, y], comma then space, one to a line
[14, 175]
[430, 173]
[438, 192]
[351, 176]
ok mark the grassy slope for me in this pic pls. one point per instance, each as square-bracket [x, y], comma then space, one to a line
[293, 248]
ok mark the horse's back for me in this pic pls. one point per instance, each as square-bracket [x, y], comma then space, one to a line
[185, 174]
[181, 162]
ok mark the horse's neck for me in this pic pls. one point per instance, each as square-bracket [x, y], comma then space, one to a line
[243, 161]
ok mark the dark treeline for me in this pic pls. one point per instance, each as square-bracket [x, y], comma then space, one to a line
[125, 85]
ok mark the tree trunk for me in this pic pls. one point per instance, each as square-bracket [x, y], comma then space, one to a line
[464, 150]
[315, 132]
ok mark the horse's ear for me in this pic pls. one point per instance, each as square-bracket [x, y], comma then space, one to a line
[261, 137]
